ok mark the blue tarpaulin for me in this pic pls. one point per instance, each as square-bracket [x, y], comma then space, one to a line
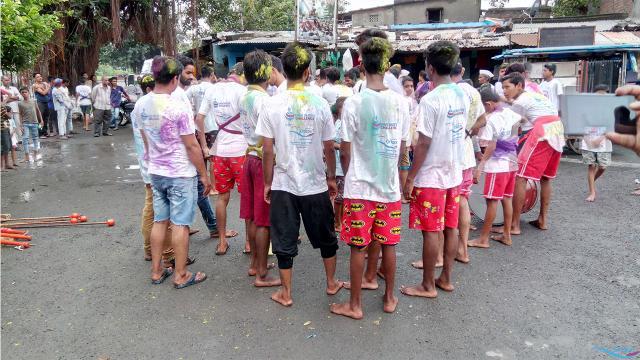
[566, 50]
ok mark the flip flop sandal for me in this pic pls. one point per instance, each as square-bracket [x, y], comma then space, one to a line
[190, 260]
[191, 281]
[165, 274]
[220, 253]
[192, 232]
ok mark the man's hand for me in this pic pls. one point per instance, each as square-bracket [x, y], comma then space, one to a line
[267, 194]
[205, 152]
[408, 189]
[629, 141]
[204, 178]
[476, 175]
[333, 187]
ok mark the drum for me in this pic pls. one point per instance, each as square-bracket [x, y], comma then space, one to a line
[478, 204]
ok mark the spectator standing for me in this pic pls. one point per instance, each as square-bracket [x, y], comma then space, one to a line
[83, 99]
[31, 118]
[101, 99]
[551, 87]
[41, 92]
[117, 92]
[12, 98]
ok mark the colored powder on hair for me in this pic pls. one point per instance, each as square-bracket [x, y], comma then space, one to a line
[264, 72]
[383, 46]
[302, 57]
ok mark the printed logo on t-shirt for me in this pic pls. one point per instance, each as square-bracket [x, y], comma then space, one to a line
[457, 125]
[300, 128]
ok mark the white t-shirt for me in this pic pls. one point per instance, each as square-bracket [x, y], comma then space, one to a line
[498, 88]
[299, 122]
[195, 94]
[476, 110]
[502, 127]
[442, 117]
[531, 106]
[250, 108]
[136, 124]
[164, 120]
[312, 88]
[222, 100]
[391, 82]
[83, 93]
[338, 140]
[181, 95]
[376, 124]
[14, 92]
[552, 89]
[595, 141]
[330, 93]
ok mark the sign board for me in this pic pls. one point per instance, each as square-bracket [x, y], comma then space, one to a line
[316, 21]
[566, 36]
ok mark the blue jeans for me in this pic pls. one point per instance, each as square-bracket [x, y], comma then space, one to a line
[174, 199]
[208, 215]
[115, 117]
[30, 131]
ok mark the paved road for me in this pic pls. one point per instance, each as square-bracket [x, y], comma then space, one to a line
[84, 293]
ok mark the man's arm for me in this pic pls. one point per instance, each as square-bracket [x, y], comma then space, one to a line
[124, 92]
[195, 155]
[268, 160]
[201, 138]
[94, 94]
[479, 124]
[345, 156]
[488, 151]
[330, 159]
[419, 156]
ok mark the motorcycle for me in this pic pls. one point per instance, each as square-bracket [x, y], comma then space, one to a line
[126, 107]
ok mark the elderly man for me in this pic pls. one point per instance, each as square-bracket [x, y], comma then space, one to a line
[484, 79]
[101, 98]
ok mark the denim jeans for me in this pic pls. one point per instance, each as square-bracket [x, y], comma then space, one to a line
[115, 117]
[174, 199]
[30, 131]
[208, 215]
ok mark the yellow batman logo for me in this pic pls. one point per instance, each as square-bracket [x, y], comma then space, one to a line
[396, 214]
[381, 207]
[380, 223]
[356, 224]
[357, 240]
[357, 207]
[372, 214]
[395, 230]
[380, 238]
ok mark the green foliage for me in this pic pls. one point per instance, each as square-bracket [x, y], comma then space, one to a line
[130, 56]
[236, 15]
[575, 7]
[27, 25]
[108, 70]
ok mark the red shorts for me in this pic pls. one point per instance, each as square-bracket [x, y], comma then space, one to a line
[227, 172]
[467, 182]
[365, 220]
[499, 185]
[434, 209]
[543, 160]
[252, 204]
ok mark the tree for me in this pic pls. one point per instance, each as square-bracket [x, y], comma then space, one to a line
[575, 7]
[238, 15]
[26, 27]
[130, 56]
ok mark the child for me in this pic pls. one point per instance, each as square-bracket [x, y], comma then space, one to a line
[14, 141]
[499, 164]
[375, 126]
[596, 151]
[5, 137]
[336, 110]
[437, 168]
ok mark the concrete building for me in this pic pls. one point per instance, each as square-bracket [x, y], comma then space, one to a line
[417, 12]
[616, 6]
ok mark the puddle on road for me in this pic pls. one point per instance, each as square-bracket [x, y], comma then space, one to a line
[133, 167]
[117, 167]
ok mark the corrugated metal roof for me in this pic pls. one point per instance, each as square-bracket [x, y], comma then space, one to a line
[567, 50]
[469, 43]
[601, 25]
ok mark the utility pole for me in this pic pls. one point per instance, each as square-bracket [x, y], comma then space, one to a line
[196, 40]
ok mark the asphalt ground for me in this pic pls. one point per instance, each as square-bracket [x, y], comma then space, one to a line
[571, 292]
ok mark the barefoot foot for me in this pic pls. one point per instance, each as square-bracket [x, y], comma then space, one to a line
[462, 259]
[389, 305]
[541, 225]
[418, 290]
[366, 285]
[479, 243]
[345, 309]
[444, 285]
[500, 230]
[591, 198]
[335, 287]
[502, 239]
[266, 281]
[281, 298]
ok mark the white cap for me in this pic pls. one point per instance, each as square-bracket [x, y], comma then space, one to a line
[486, 73]
[404, 72]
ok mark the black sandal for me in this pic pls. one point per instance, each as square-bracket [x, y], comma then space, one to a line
[190, 261]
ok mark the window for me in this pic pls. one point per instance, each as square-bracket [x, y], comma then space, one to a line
[375, 18]
[434, 15]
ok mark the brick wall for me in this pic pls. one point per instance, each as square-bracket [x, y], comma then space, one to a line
[615, 6]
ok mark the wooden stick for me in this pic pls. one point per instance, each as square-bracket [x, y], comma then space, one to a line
[16, 236]
[109, 223]
[74, 215]
[24, 244]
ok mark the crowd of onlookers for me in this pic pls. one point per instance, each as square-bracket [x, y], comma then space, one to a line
[47, 108]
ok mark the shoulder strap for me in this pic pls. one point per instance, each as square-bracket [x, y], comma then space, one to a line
[223, 126]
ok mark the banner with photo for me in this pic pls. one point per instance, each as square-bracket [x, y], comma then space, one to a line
[316, 21]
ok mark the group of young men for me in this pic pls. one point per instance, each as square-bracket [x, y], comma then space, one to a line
[280, 150]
